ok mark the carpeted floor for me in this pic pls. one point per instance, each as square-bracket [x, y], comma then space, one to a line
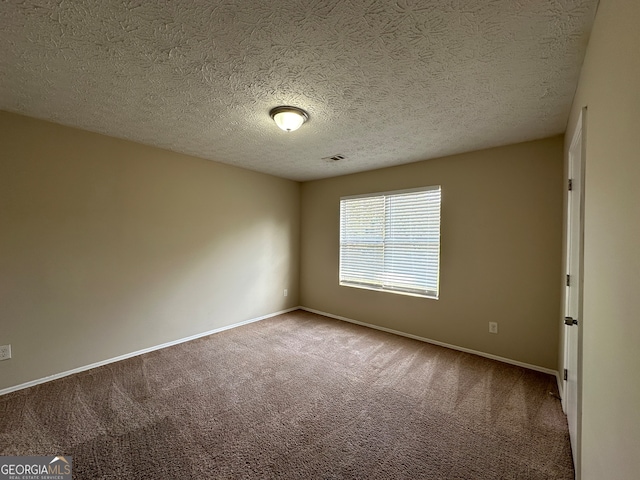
[296, 396]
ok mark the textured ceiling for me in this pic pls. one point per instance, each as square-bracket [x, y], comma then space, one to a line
[385, 82]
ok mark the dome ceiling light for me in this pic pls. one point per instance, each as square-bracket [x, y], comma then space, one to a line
[288, 118]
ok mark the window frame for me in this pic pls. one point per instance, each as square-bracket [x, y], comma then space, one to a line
[428, 243]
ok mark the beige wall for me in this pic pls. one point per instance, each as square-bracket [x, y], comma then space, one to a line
[610, 88]
[501, 251]
[108, 247]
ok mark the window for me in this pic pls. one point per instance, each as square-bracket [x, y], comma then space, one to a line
[391, 241]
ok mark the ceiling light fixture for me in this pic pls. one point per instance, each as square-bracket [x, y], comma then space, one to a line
[289, 118]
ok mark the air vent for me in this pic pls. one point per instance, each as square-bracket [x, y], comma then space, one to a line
[334, 158]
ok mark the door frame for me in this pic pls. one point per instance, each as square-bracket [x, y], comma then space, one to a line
[575, 172]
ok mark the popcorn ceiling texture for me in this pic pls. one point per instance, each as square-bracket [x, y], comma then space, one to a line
[384, 82]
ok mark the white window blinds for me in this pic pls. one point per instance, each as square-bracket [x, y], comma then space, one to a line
[391, 241]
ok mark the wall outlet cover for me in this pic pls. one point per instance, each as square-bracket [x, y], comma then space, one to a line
[5, 352]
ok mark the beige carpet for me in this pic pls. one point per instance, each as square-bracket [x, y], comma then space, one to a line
[296, 396]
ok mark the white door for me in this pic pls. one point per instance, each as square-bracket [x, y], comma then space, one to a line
[573, 290]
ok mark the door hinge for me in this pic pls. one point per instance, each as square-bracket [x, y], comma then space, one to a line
[565, 374]
[570, 184]
[568, 280]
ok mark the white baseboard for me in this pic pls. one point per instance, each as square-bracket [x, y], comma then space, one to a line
[436, 342]
[33, 383]
[245, 322]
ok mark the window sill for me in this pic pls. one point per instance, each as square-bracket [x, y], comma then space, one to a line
[384, 290]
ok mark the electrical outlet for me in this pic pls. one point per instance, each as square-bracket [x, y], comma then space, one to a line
[5, 352]
[286, 292]
[493, 327]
